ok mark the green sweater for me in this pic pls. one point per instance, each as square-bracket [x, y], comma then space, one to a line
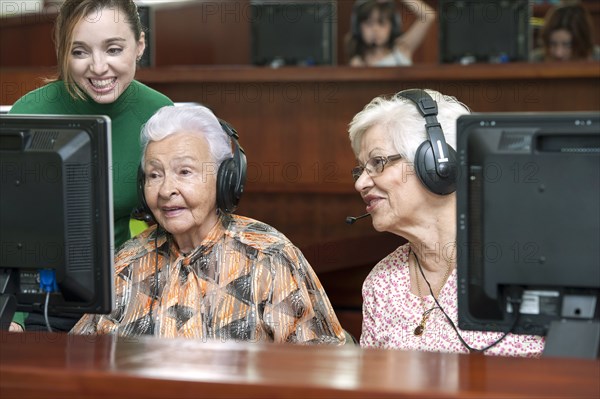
[131, 110]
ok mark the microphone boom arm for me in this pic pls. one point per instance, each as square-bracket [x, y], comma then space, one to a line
[352, 219]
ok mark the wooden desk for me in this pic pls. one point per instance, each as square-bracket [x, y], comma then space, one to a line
[57, 365]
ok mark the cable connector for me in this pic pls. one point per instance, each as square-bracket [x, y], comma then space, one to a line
[48, 280]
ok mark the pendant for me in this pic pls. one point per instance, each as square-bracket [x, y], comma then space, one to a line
[419, 329]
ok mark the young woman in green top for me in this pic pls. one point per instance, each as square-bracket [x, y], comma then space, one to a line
[98, 44]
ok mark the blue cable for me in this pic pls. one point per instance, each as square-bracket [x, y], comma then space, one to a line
[48, 285]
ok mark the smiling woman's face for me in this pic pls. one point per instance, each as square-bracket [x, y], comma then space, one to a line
[395, 198]
[104, 54]
[180, 187]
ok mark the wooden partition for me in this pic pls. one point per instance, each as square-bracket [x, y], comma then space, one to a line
[43, 365]
[293, 125]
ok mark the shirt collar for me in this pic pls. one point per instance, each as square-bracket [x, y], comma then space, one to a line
[213, 236]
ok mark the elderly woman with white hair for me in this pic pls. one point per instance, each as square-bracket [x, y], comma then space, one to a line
[201, 271]
[406, 177]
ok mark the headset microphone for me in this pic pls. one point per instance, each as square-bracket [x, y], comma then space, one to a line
[352, 219]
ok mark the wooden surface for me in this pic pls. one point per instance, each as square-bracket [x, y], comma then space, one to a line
[61, 366]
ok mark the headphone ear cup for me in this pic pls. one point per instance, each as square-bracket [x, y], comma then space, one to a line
[231, 179]
[427, 173]
[144, 209]
[226, 177]
[231, 176]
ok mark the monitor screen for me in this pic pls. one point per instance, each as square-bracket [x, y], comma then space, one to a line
[293, 33]
[489, 31]
[528, 207]
[56, 218]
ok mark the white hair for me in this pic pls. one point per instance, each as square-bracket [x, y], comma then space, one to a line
[195, 119]
[402, 121]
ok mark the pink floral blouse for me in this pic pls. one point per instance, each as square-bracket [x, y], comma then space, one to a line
[391, 313]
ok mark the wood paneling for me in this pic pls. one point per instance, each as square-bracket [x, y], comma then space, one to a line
[26, 40]
[203, 32]
[293, 125]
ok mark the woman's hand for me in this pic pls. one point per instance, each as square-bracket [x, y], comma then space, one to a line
[15, 327]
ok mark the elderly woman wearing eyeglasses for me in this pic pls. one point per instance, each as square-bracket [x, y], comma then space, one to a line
[406, 177]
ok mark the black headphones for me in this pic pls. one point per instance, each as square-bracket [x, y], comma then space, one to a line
[231, 178]
[435, 161]
[355, 24]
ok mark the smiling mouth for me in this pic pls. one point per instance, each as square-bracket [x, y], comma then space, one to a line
[372, 204]
[172, 211]
[102, 84]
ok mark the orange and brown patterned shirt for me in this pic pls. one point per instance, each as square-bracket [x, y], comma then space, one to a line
[245, 282]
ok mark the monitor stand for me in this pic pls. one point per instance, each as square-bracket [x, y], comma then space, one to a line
[573, 338]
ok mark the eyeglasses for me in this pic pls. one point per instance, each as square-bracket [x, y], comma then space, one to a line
[374, 166]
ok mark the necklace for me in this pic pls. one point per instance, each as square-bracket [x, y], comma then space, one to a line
[420, 329]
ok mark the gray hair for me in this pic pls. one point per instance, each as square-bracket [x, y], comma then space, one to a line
[195, 119]
[404, 124]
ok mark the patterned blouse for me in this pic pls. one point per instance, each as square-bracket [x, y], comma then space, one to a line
[391, 312]
[245, 282]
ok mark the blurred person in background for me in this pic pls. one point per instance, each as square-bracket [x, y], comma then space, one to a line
[376, 37]
[567, 35]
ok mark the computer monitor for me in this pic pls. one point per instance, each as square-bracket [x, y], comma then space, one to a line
[528, 207]
[293, 33]
[486, 31]
[56, 216]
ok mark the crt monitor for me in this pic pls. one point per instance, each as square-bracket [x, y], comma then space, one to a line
[486, 31]
[293, 32]
[56, 218]
[528, 207]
